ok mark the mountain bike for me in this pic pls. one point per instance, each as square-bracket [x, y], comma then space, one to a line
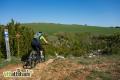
[33, 59]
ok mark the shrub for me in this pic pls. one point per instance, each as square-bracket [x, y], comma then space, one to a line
[110, 44]
[66, 43]
[18, 45]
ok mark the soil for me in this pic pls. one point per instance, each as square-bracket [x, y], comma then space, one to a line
[57, 69]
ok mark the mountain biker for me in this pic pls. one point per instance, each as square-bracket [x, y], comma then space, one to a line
[36, 43]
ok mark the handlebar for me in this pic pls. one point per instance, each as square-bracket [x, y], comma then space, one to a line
[44, 44]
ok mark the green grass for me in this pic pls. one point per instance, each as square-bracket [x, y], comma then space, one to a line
[97, 75]
[14, 60]
[53, 28]
[110, 71]
[85, 60]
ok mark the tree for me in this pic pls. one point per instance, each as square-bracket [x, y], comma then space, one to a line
[18, 45]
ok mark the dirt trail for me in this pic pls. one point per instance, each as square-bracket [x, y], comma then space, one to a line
[40, 68]
[12, 67]
[56, 69]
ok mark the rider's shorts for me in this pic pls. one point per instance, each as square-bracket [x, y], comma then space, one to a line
[36, 45]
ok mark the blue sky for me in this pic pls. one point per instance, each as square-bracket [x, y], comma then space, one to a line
[91, 12]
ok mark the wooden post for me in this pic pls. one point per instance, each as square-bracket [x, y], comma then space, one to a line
[18, 47]
[18, 36]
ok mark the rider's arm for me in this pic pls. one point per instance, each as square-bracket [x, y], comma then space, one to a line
[43, 39]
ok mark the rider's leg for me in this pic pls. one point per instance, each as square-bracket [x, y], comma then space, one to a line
[38, 54]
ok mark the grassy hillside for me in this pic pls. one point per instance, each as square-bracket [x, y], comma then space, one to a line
[86, 56]
[53, 28]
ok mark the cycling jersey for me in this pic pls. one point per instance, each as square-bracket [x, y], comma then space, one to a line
[36, 44]
[39, 36]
